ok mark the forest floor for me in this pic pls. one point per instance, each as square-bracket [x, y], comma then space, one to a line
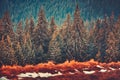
[73, 70]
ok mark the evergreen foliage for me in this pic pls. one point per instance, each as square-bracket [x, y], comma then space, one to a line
[32, 44]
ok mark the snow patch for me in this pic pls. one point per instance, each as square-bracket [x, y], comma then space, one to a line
[112, 68]
[20, 78]
[3, 78]
[71, 73]
[99, 66]
[76, 70]
[56, 71]
[88, 72]
[103, 70]
[33, 75]
[49, 74]
[40, 74]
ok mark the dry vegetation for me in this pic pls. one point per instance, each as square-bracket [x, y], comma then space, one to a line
[72, 70]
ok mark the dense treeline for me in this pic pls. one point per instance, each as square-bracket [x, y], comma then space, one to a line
[34, 43]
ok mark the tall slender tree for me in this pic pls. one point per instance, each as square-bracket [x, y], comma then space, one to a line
[20, 33]
[7, 26]
[100, 37]
[54, 50]
[6, 52]
[116, 31]
[112, 51]
[67, 39]
[19, 54]
[41, 34]
[79, 36]
[27, 50]
[74, 38]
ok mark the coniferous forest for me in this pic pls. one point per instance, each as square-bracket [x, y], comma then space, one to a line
[59, 40]
[45, 41]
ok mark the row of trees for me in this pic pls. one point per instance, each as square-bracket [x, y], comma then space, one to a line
[35, 43]
[106, 35]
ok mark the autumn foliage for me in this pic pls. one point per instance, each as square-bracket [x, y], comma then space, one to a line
[65, 68]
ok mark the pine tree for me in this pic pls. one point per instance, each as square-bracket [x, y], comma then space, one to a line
[116, 35]
[112, 52]
[41, 33]
[7, 36]
[116, 31]
[101, 32]
[6, 26]
[79, 37]
[54, 48]
[74, 38]
[20, 33]
[39, 54]
[28, 52]
[19, 54]
[67, 39]
[92, 48]
[100, 36]
[6, 52]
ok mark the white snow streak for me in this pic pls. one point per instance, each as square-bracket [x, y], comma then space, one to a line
[88, 72]
[3, 78]
[99, 66]
[40, 74]
[49, 74]
[112, 68]
[103, 70]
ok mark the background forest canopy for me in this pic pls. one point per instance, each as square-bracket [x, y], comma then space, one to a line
[34, 43]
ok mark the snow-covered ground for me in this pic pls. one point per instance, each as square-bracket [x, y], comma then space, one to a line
[86, 71]
[40, 74]
[99, 66]
[3, 78]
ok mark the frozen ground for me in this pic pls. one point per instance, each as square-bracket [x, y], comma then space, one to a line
[67, 71]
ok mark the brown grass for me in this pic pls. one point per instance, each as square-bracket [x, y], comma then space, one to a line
[65, 68]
